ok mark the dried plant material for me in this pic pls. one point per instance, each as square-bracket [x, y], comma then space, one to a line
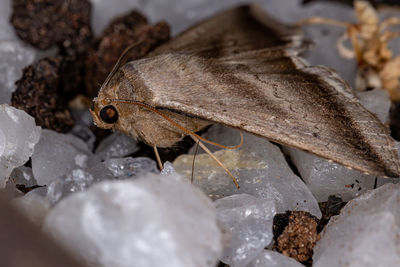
[369, 38]
[240, 68]
[390, 76]
[375, 3]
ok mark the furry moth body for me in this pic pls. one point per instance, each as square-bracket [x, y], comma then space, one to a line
[241, 69]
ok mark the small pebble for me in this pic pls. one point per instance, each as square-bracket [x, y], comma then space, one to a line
[298, 237]
[46, 23]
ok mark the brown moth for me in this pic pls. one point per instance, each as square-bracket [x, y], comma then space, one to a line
[240, 68]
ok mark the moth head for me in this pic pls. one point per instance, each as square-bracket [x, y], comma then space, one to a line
[105, 115]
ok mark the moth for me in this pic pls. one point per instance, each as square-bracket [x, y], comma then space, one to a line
[241, 68]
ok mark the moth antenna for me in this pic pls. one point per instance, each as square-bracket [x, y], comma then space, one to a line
[119, 62]
[187, 131]
[217, 160]
[158, 158]
[194, 158]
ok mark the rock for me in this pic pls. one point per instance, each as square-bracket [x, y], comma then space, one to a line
[248, 220]
[366, 233]
[40, 92]
[18, 136]
[116, 145]
[44, 24]
[148, 221]
[23, 176]
[295, 234]
[14, 57]
[326, 178]
[126, 168]
[57, 155]
[259, 167]
[6, 30]
[273, 259]
[76, 181]
[79, 179]
[168, 169]
[84, 133]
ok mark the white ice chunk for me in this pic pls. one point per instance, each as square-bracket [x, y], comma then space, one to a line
[325, 178]
[57, 155]
[18, 136]
[23, 176]
[125, 168]
[249, 222]
[269, 258]
[6, 30]
[84, 133]
[77, 180]
[117, 145]
[168, 168]
[151, 221]
[365, 233]
[14, 57]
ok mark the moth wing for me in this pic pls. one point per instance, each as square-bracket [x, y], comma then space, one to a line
[240, 29]
[274, 94]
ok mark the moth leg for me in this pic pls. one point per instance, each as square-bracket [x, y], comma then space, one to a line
[194, 158]
[158, 157]
[219, 162]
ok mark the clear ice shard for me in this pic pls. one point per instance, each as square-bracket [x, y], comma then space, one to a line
[325, 178]
[117, 145]
[269, 258]
[248, 220]
[150, 221]
[14, 57]
[259, 166]
[57, 155]
[79, 179]
[18, 136]
[126, 168]
[366, 232]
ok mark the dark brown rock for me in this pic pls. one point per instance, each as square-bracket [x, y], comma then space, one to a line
[38, 93]
[298, 236]
[45, 23]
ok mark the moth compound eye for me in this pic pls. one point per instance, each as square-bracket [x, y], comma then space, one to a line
[109, 114]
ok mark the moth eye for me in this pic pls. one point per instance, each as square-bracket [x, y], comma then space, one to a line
[109, 114]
